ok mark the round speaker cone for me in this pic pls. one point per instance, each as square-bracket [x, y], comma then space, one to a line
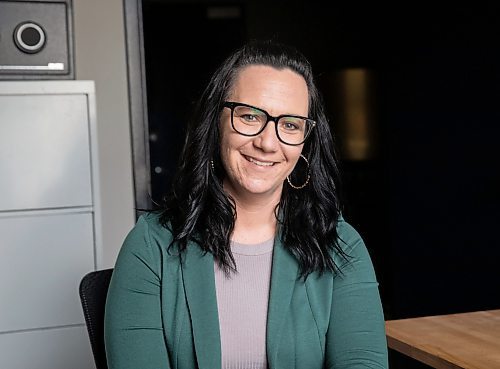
[29, 37]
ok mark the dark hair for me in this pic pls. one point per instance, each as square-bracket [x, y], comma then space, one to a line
[197, 208]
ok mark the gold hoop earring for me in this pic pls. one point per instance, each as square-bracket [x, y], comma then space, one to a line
[308, 176]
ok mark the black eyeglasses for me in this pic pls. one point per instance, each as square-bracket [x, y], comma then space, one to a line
[249, 120]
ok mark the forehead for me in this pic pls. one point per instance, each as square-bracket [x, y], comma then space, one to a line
[279, 91]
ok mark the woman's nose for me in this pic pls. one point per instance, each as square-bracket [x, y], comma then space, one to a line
[267, 139]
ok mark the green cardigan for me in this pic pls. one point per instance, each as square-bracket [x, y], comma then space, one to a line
[163, 314]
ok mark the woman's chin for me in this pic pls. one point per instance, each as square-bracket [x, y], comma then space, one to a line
[261, 188]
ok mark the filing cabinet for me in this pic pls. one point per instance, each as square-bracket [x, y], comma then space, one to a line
[50, 228]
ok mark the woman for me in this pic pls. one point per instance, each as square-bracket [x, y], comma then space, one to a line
[250, 264]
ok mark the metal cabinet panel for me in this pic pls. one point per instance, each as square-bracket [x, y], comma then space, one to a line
[61, 348]
[49, 221]
[42, 260]
[44, 151]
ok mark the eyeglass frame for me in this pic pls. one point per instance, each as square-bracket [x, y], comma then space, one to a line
[233, 104]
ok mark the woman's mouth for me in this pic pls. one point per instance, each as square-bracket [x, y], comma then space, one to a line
[260, 163]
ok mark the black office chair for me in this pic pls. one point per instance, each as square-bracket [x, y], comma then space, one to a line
[93, 292]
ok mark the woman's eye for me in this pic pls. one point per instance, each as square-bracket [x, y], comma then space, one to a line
[249, 117]
[290, 126]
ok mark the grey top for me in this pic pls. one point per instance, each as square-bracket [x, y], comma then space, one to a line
[242, 300]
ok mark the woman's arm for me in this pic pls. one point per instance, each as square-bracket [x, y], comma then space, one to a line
[133, 326]
[356, 334]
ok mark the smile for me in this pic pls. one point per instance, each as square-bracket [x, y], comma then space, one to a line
[258, 162]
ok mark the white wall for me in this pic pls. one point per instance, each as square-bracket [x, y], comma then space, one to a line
[99, 36]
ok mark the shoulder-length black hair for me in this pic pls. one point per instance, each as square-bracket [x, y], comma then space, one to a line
[197, 208]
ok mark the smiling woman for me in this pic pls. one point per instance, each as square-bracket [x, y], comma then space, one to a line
[242, 268]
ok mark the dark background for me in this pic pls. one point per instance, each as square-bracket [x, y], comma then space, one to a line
[427, 202]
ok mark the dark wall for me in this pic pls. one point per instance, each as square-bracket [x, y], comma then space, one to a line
[184, 43]
[440, 89]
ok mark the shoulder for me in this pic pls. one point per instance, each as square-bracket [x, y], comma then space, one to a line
[348, 237]
[146, 245]
[148, 232]
[353, 245]
[156, 229]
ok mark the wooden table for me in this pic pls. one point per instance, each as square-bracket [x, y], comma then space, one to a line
[468, 340]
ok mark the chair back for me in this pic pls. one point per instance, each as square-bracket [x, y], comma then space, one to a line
[93, 291]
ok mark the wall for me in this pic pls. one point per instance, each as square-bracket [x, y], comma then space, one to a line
[100, 56]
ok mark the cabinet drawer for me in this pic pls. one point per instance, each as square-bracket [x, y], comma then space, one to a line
[42, 260]
[44, 151]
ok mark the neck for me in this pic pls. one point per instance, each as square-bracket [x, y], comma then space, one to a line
[255, 216]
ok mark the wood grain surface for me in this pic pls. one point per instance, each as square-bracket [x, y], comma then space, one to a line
[467, 340]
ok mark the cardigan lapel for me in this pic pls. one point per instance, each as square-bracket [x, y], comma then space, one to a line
[284, 274]
[199, 284]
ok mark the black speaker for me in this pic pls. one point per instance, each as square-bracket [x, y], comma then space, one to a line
[36, 39]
